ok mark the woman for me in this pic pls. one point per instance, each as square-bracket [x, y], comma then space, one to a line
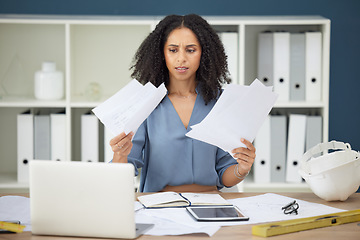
[187, 55]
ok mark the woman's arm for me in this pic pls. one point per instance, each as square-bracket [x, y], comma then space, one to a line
[245, 158]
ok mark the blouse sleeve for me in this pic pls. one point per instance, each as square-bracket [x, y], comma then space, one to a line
[137, 152]
[223, 161]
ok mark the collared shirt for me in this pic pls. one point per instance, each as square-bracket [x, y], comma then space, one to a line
[167, 157]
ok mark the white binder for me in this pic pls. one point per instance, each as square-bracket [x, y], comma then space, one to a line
[297, 67]
[313, 132]
[262, 167]
[296, 146]
[25, 144]
[313, 65]
[265, 71]
[108, 152]
[230, 42]
[89, 138]
[58, 137]
[282, 65]
[278, 148]
[42, 139]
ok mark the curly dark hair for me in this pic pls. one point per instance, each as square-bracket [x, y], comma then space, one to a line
[149, 61]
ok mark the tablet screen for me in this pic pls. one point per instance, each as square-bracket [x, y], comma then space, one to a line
[217, 213]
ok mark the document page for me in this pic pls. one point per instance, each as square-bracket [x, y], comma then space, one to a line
[177, 221]
[16, 208]
[129, 107]
[238, 113]
[205, 199]
[261, 208]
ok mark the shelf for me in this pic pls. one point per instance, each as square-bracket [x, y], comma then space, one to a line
[84, 102]
[300, 104]
[100, 57]
[9, 181]
[267, 20]
[30, 102]
[78, 102]
[95, 53]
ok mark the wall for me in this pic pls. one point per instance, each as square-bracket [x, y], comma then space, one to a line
[345, 37]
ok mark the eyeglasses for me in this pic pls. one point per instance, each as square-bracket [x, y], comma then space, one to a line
[291, 208]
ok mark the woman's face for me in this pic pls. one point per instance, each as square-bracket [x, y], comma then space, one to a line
[182, 53]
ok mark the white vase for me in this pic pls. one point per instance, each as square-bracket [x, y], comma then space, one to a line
[49, 83]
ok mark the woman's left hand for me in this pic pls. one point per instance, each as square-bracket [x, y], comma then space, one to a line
[245, 156]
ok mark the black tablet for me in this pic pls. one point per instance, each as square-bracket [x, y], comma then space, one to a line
[217, 213]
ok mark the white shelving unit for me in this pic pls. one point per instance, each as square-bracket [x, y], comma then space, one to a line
[99, 50]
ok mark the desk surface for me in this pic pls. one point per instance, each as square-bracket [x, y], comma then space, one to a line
[345, 231]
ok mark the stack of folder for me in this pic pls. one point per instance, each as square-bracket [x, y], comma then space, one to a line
[42, 136]
[291, 62]
[280, 144]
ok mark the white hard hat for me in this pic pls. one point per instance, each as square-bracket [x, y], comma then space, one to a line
[331, 176]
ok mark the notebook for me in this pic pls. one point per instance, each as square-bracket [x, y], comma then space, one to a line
[83, 199]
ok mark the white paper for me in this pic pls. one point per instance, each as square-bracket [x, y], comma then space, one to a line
[16, 208]
[260, 209]
[238, 113]
[177, 221]
[129, 107]
[172, 221]
[268, 208]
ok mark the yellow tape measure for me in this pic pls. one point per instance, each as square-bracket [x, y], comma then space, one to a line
[296, 225]
[12, 227]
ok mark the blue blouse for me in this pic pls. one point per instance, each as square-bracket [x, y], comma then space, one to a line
[168, 157]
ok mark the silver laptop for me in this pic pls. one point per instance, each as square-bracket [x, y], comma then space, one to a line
[83, 199]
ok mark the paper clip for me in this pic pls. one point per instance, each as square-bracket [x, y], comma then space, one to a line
[291, 208]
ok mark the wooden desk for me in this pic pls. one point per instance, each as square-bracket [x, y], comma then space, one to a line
[345, 231]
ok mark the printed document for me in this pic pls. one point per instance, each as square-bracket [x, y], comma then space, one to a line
[177, 221]
[261, 208]
[238, 113]
[129, 107]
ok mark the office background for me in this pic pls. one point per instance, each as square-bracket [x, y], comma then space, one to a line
[344, 113]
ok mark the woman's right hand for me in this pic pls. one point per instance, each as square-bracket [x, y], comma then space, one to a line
[121, 146]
